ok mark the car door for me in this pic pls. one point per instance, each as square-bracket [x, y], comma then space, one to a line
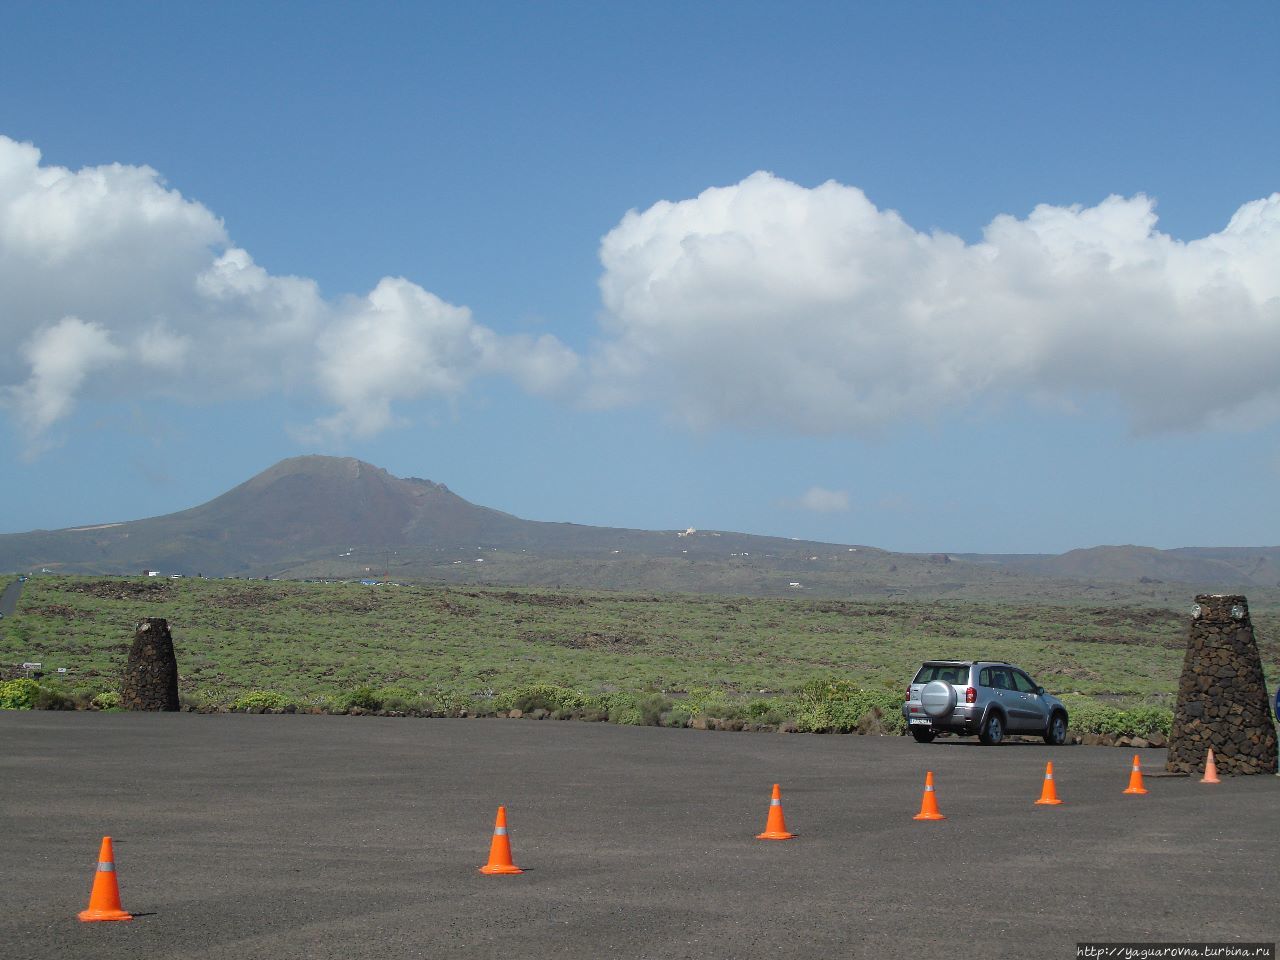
[1003, 694]
[1032, 712]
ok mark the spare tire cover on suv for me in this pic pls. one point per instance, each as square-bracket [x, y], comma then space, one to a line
[938, 698]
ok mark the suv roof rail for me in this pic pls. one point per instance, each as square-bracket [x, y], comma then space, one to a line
[1001, 663]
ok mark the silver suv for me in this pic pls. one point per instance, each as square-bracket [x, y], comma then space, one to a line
[988, 697]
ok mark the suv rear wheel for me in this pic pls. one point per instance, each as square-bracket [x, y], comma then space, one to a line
[992, 729]
[923, 736]
[1056, 734]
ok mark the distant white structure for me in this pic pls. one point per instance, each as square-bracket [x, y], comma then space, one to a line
[795, 586]
[688, 533]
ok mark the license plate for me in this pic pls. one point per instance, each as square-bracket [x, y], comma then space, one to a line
[919, 722]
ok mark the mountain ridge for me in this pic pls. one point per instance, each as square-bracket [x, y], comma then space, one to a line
[339, 517]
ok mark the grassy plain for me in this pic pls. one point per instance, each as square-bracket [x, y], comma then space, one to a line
[311, 641]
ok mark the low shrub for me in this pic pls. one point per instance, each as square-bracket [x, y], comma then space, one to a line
[52, 698]
[263, 699]
[540, 696]
[107, 700]
[1089, 717]
[894, 721]
[652, 706]
[837, 706]
[604, 702]
[771, 712]
[714, 704]
[676, 717]
[725, 709]
[365, 697]
[1149, 720]
[189, 702]
[448, 702]
[634, 709]
[628, 716]
[399, 699]
[18, 694]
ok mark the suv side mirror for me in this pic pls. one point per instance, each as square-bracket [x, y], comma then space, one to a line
[1040, 691]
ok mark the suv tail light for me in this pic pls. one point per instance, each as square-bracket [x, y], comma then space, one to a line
[908, 695]
[970, 695]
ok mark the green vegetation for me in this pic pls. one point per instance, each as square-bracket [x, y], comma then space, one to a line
[260, 700]
[675, 660]
[107, 700]
[18, 694]
[837, 706]
[1087, 717]
[27, 694]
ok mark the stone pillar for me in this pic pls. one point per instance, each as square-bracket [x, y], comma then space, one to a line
[1222, 696]
[151, 674]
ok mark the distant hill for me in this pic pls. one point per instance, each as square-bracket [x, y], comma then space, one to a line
[1225, 566]
[339, 518]
[312, 510]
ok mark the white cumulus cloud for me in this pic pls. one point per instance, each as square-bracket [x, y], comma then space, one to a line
[770, 304]
[401, 341]
[60, 356]
[761, 304]
[821, 500]
[113, 284]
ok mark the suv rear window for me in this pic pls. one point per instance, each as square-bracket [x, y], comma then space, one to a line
[956, 673]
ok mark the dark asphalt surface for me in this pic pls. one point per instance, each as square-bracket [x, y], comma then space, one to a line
[9, 597]
[298, 836]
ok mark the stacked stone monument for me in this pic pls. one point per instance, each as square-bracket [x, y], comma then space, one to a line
[151, 673]
[1222, 696]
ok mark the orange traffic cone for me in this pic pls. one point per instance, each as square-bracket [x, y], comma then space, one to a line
[776, 826]
[1210, 770]
[1049, 792]
[104, 900]
[929, 803]
[500, 848]
[1135, 778]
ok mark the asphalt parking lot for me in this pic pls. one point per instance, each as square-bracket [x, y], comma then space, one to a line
[359, 837]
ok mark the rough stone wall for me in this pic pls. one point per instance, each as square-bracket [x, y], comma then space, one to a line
[1222, 696]
[151, 673]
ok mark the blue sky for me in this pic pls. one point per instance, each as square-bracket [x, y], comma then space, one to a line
[963, 277]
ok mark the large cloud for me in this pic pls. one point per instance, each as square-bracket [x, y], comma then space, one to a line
[112, 284]
[759, 304]
[769, 304]
[401, 341]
